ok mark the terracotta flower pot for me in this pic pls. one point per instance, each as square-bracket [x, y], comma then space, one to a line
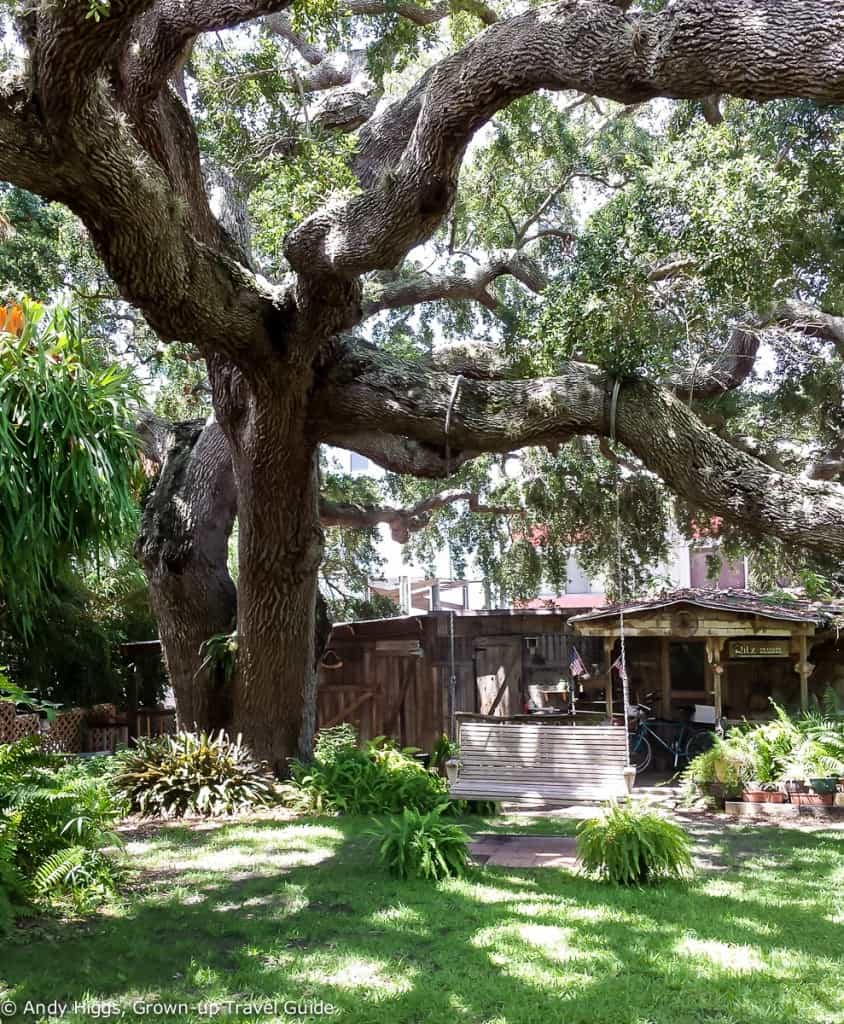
[813, 799]
[763, 796]
[792, 788]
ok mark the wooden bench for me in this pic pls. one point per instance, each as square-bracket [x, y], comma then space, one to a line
[539, 763]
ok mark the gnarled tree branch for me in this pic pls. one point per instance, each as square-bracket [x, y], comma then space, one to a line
[403, 521]
[372, 391]
[472, 285]
[727, 371]
[410, 155]
[164, 32]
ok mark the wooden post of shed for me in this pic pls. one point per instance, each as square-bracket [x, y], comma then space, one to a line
[665, 675]
[804, 670]
[713, 653]
[609, 644]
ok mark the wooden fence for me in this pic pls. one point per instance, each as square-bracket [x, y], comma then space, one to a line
[84, 730]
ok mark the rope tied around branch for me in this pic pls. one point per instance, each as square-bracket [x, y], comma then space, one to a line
[625, 685]
[454, 389]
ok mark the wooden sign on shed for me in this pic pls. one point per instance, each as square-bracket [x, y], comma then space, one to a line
[762, 648]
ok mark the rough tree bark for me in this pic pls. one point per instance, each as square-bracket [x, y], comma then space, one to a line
[93, 122]
[182, 546]
[274, 457]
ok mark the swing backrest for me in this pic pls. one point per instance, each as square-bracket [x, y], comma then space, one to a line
[537, 763]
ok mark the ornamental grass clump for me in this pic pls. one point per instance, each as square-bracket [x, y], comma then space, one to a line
[201, 773]
[415, 845]
[629, 845]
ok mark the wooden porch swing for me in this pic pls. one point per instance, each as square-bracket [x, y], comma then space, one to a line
[538, 763]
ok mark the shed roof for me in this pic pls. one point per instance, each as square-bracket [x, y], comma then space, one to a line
[778, 606]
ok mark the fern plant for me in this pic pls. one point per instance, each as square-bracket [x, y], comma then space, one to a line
[629, 845]
[75, 870]
[56, 822]
[192, 773]
[416, 845]
[376, 778]
[14, 886]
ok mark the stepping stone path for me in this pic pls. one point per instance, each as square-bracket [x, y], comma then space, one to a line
[519, 851]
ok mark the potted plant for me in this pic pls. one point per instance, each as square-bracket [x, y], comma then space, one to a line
[715, 774]
[807, 782]
[758, 792]
[824, 785]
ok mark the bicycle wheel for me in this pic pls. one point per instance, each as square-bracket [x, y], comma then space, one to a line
[699, 743]
[641, 754]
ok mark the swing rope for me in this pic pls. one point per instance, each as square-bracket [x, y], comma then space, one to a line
[625, 686]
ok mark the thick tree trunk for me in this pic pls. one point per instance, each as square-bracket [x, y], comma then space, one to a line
[280, 548]
[182, 546]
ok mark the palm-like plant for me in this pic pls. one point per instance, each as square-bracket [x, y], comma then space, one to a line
[191, 773]
[68, 452]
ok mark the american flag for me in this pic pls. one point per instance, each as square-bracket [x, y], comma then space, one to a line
[576, 666]
[618, 665]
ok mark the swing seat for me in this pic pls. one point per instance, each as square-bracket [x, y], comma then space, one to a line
[537, 764]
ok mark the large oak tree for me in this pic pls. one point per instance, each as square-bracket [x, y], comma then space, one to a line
[101, 121]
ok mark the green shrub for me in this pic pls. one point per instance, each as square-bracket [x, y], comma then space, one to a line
[416, 845]
[56, 820]
[192, 773]
[333, 742]
[629, 845]
[376, 778]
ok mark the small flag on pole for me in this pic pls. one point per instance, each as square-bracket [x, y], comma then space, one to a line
[576, 666]
[618, 665]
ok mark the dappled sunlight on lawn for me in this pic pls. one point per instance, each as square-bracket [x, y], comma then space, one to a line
[356, 973]
[303, 910]
[401, 918]
[485, 893]
[734, 959]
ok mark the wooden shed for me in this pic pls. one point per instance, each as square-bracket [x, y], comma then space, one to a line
[731, 649]
[407, 676]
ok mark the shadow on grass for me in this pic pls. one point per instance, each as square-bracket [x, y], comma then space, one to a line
[300, 911]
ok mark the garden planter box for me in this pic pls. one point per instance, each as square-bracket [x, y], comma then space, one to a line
[813, 799]
[763, 796]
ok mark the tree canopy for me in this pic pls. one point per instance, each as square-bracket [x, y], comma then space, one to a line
[436, 234]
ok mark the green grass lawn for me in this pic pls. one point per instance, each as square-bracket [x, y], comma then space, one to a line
[301, 911]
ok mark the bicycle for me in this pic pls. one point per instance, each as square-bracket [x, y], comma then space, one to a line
[686, 743]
